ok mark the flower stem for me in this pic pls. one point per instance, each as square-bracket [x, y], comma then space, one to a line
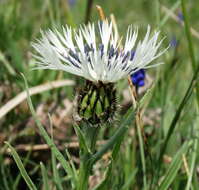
[86, 165]
[120, 132]
[110, 144]
[84, 172]
[91, 136]
[141, 144]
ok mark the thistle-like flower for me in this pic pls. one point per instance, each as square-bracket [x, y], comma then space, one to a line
[80, 54]
[102, 61]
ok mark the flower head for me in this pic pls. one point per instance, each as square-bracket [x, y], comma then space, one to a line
[79, 52]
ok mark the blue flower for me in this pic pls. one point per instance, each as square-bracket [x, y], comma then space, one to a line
[180, 16]
[138, 78]
[174, 42]
[72, 2]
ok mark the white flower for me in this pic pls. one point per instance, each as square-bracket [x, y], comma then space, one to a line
[78, 52]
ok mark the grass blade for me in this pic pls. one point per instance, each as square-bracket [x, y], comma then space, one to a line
[44, 176]
[23, 172]
[166, 17]
[71, 162]
[194, 153]
[48, 140]
[141, 146]
[188, 34]
[56, 176]
[82, 141]
[19, 175]
[4, 182]
[173, 168]
[178, 113]
[7, 64]
[130, 180]
[190, 43]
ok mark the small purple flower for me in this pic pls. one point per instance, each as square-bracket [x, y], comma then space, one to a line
[138, 78]
[72, 2]
[173, 42]
[180, 16]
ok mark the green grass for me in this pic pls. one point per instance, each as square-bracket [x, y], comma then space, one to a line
[166, 159]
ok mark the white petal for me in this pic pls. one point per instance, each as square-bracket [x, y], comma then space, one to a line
[105, 62]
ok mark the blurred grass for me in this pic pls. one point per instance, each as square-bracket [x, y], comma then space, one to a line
[20, 23]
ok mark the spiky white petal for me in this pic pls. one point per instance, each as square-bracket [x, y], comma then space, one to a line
[78, 52]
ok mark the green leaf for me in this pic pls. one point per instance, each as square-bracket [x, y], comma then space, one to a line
[71, 162]
[3, 173]
[48, 140]
[125, 121]
[173, 168]
[18, 178]
[23, 172]
[147, 97]
[142, 153]
[194, 153]
[82, 141]
[190, 42]
[7, 64]
[130, 180]
[44, 176]
[56, 176]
